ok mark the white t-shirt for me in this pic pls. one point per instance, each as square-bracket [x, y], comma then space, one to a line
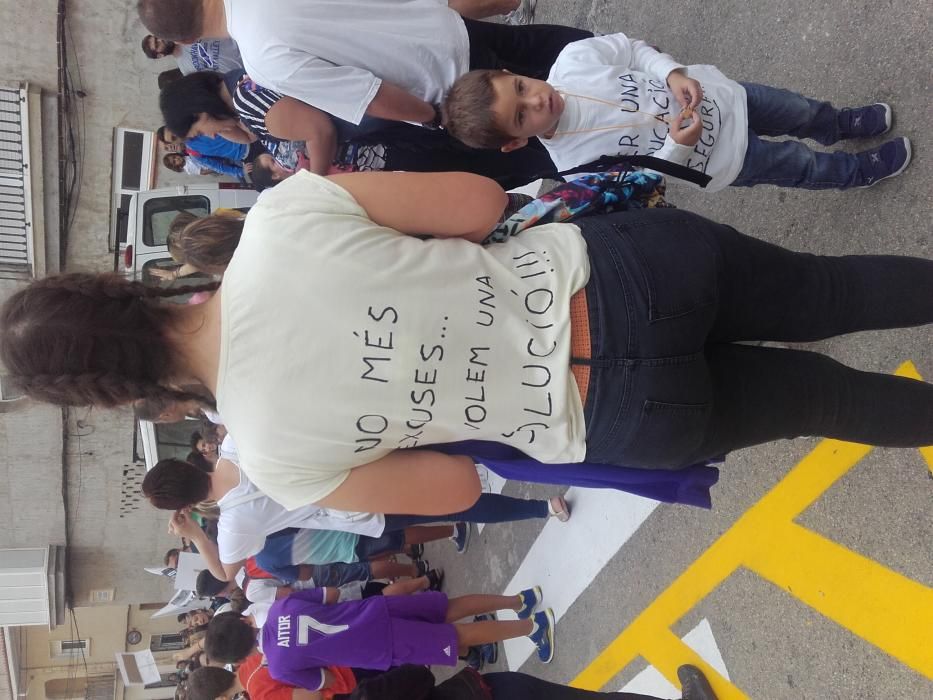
[631, 77]
[259, 613]
[244, 524]
[221, 55]
[259, 590]
[334, 54]
[343, 340]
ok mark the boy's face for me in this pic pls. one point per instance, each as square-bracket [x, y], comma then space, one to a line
[525, 107]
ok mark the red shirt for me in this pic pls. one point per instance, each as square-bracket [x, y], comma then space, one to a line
[255, 679]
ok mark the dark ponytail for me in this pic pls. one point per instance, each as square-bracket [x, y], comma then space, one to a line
[83, 339]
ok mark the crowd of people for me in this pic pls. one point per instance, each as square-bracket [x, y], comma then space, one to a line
[363, 341]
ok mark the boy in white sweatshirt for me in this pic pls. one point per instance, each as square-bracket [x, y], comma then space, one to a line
[612, 95]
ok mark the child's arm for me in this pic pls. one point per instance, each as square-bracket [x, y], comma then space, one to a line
[397, 104]
[619, 51]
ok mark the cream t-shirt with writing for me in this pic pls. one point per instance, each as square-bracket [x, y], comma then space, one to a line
[343, 340]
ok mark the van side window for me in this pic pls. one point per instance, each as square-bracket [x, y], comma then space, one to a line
[174, 439]
[159, 212]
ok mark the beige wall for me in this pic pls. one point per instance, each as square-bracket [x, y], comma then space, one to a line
[106, 628]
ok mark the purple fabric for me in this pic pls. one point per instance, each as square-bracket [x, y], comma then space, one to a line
[689, 486]
[302, 635]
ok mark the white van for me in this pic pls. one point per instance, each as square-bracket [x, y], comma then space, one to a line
[148, 216]
[150, 213]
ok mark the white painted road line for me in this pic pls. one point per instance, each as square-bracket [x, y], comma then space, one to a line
[701, 640]
[566, 557]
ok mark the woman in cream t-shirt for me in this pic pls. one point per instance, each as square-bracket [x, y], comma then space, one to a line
[341, 347]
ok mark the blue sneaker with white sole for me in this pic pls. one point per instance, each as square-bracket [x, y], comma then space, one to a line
[864, 122]
[543, 634]
[461, 536]
[531, 599]
[889, 159]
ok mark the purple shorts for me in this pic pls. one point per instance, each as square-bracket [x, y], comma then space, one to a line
[420, 631]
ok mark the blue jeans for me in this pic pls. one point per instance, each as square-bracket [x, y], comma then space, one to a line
[490, 508]
[386, 543]
[776, 112]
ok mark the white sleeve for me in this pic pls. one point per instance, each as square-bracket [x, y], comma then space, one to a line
[350, 591]
[615, 50]
[673, 152]
[237, 546]
[262, 590]
[342, 91]
[228, 449]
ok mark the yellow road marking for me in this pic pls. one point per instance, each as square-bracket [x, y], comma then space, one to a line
[883, 607]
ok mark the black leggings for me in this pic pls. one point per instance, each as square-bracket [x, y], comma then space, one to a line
[519, 686]
[528, 50]
[671, 292]
[415, 149]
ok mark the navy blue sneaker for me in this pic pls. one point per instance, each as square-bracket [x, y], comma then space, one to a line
[889, 159]
[862, 122]
[474, 659]
[531, 599]
[461, 536]
[543, 634]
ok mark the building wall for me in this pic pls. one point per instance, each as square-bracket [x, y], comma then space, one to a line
[106, 628]
[31, 509]
[112, 536]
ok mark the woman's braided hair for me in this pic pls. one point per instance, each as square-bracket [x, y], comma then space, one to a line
[90, 339]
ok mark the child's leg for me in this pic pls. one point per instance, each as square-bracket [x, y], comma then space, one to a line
[425, 533]
[794, 164]
[413, 585]
[777, 112]
[391, 569]
[469, 605]
[490, 508]
[476, 633]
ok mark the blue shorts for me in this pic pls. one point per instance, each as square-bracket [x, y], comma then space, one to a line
[388, 543]
[338, 574]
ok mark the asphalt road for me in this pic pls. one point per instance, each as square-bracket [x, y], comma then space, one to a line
[800, 615]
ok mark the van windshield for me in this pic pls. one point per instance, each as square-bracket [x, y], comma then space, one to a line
[159, 212]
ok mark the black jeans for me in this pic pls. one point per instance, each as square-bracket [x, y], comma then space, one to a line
[669, 294]
[519, 686]
[528, 50]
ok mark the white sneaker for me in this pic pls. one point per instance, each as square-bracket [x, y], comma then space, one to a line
[523, 14]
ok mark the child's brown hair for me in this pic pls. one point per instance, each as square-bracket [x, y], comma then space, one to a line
[467, 111]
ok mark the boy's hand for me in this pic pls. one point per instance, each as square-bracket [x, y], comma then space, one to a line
[691, 134]
[687, 91]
